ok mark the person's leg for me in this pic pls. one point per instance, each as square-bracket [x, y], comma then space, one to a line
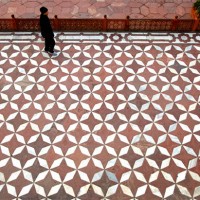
[47, 44]
[51, 45]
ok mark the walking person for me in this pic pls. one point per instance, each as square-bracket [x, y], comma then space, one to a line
[46, 30]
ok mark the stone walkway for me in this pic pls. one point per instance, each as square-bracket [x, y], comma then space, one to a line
[98, 8]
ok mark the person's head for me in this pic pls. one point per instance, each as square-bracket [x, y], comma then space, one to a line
[44, 11]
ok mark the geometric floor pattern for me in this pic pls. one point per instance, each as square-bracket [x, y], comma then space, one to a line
[114, 116]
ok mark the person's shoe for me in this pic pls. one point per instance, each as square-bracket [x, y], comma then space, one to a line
[53, 53]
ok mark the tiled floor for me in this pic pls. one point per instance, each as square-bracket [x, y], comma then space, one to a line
[111, 117]
[136, 9]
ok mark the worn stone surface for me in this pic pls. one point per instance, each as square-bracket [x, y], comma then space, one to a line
[180, 10]
[98, 8]
[144, 10]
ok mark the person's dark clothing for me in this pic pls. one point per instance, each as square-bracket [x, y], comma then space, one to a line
[47, 33]
[49, 44]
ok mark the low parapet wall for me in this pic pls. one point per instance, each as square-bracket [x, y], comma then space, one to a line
[105, 24]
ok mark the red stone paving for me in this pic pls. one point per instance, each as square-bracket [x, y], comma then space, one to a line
[136, 9]
[102, 119]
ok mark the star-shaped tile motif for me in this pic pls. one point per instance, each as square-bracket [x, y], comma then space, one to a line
[110, 119]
